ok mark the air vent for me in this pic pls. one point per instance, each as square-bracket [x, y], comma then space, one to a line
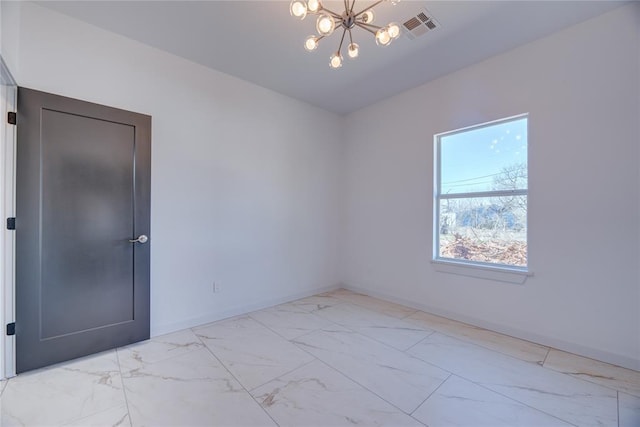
[419, 24]
[412, 23]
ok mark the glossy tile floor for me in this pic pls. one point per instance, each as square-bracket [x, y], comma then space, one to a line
[333, 359]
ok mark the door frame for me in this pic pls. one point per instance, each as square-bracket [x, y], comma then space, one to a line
[7, 209]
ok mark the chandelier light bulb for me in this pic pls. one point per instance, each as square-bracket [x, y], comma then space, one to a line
[367, 17]
[353, 50]
[311, 43]
[313, 5]
[325, 24]
[336, 60]
[382, 37]
[394, 30]
[298, 8]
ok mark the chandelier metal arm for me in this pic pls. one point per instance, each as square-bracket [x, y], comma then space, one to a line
[364, 24]
[369, 8]
[342, 40]
[352, 6]
[366, 27]
[330, 12]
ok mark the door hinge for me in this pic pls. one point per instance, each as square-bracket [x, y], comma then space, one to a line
[12, 118]
[11, 328]
[11, 223]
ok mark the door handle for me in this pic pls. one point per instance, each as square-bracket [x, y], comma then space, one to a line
[141, 239]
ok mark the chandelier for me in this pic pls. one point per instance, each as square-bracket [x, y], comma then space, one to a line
[329, 20]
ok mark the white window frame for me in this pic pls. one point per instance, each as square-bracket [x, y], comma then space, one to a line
[483, 270]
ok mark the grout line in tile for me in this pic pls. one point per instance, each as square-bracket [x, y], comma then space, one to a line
[432, 393]
[249, 391]
[282, 375]
[356, 382]
[618, 406]
[468, 341]
[292, 340]
[513, 357]
[430, 331]
[198, 336]
[241, 385]
[75, 420]
[301, 308]
[477, 328]
[414, 310]
[267, 326]
[345, 375]
[282, 336]
[349, 329]
[408, 315]
[217, 322]
[515, 400]
[395, 348]
[366, 388]
[318, 306]
[587, 377]
[407, 350]
[169, 357]
[545, 358]
[124, 390]
[62, 365]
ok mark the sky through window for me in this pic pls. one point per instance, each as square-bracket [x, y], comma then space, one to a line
[472, 159]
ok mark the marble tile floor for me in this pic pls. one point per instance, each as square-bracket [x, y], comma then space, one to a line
[333, 359]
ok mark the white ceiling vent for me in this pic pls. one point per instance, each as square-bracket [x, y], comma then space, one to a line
[420, 24]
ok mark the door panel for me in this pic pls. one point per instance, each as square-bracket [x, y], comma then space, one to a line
[83, 181]
[87, 206]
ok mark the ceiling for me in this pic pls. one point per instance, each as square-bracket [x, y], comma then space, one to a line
[258, 41]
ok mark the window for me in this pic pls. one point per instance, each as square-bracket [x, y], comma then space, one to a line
[481, 195]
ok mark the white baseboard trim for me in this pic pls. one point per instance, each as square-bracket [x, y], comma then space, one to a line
[162, 329]
[592, 353]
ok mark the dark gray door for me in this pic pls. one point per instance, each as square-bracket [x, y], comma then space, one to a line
[82, 196]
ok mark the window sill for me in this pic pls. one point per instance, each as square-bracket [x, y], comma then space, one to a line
[500, 274]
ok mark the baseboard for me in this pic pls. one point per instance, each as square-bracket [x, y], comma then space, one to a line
[167, 328]
[592, 353]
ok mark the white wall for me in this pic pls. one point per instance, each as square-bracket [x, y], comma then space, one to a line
[9, 40]
[244, 192]
[581, 89]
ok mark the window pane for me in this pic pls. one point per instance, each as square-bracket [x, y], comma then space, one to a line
[484, 229]
[492, 157]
